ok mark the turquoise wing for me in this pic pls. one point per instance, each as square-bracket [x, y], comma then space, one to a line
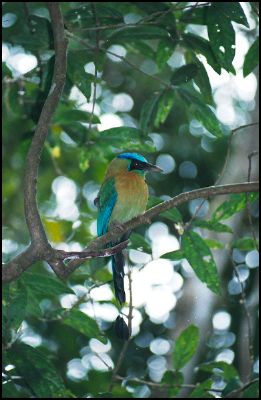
[107, 198]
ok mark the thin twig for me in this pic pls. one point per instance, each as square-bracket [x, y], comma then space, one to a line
[93, 6]
[221, 174]
[80, 300]
[249, 327]
[33, 220]
[103, 49]
[187, 385]
[104, 362]
[236, 392]
[165, 386]
[254, 153]
[173, 8]
[233, 131]
[142, 22]
[110, 26]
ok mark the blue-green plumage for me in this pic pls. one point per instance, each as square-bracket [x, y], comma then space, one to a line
[122, 196]
[107, 200]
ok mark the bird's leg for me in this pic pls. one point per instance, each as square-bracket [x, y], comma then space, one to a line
[117, 226]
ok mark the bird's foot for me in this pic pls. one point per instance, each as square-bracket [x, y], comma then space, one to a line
[117, 226]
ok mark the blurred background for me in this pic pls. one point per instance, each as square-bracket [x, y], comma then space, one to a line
[167, 295]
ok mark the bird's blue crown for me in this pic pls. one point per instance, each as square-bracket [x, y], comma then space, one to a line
[133, 156]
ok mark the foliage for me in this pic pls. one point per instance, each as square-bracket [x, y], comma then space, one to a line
[149, 66]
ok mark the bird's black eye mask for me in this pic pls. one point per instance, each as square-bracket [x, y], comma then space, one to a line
[138, 165]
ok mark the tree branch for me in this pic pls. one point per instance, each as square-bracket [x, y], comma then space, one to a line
[33, 220]
[54, 257]
[182, 198]
[166, 385]
[236, 392]
[84, 43]
[254, 153]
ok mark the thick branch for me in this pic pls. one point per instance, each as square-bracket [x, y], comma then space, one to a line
[18, 264]
[55, 258]
[33, 220]
[15, 267]
[164, 206]
[97, 248]
[174, 202]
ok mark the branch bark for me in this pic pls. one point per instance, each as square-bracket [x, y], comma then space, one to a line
[173, 202]
[97, 248]
[33, 220]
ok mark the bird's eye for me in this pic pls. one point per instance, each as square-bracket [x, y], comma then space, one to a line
[135, 165]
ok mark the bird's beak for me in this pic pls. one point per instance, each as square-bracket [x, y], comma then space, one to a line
[153, 168]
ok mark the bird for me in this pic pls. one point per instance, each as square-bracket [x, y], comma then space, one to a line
[123, 195]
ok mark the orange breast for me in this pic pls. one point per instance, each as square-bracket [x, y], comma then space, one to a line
[132, 196]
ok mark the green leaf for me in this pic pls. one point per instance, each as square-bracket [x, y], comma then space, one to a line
[17, 309]
[201, 46]
[81, 17]
[78, 320]
[212, 225]
[236, 203]
[34, 36]
[97, 381]
[118, 392]
[234, 12]
[227, 371]
[9, 391]
[221, 35]
[244, 244]
[164, 51]
[201, 260]
[6, 72]
[195, 15]
[172, 378]
[148, 113]
[154, 201]
[129, 138]
[33, 303]
[202, 81]
[174, 255]
[138, 33]
[201, 111]
[252, 392]
[120, 133]
[252, 58]
[141, 48]
[184, 74]
[173, 214]
[150, 7]
[44, 285]
[38, 371]
[201, 391]
[232, 385]
[138, 242]
[185, 347]
[77, 74]
[164, 106]
[214, 244]
[65, 115]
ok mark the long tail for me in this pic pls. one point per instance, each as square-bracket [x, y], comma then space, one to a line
[118, 276]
